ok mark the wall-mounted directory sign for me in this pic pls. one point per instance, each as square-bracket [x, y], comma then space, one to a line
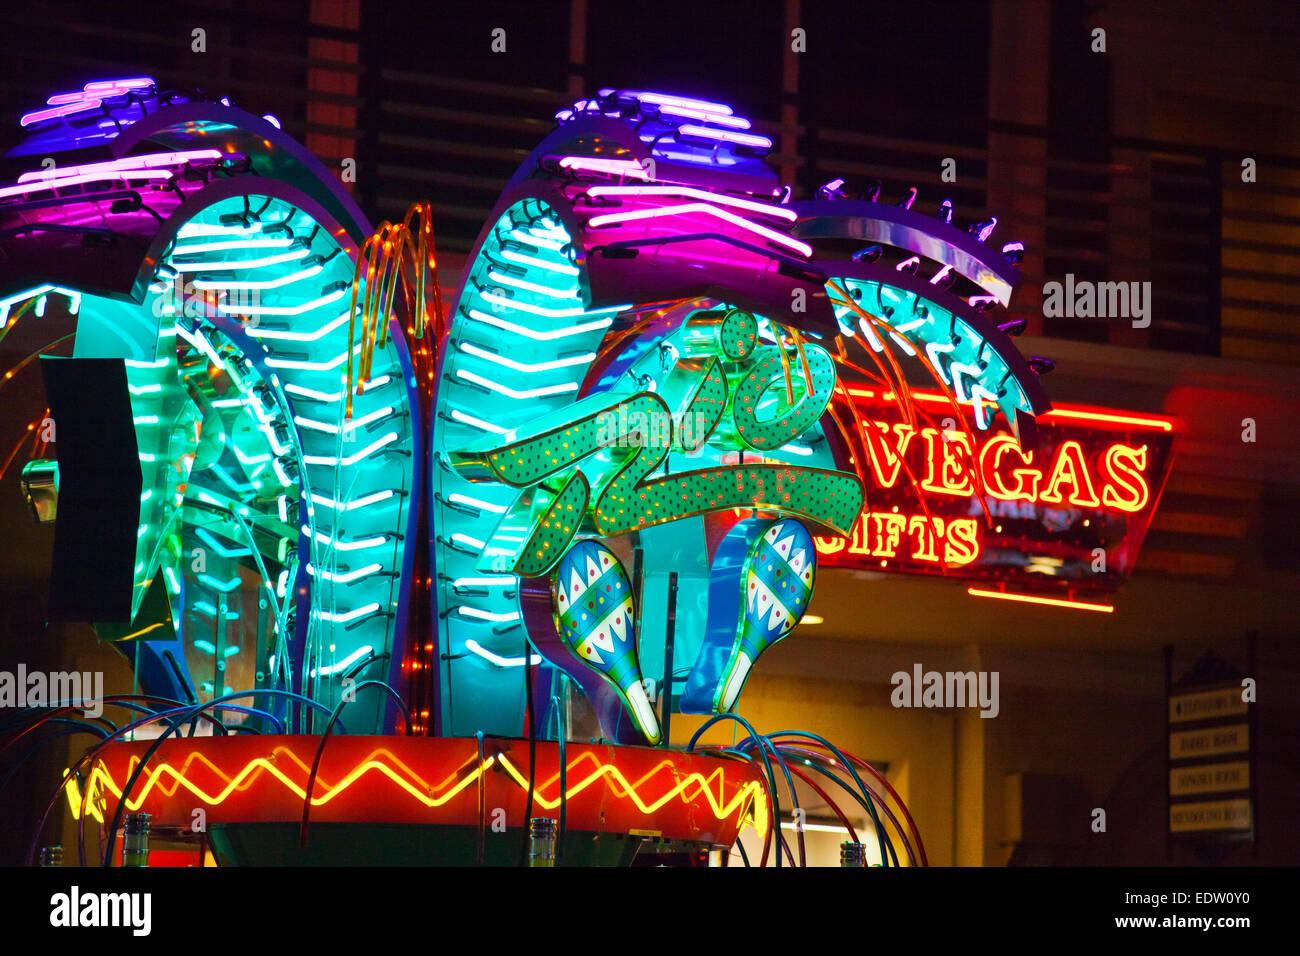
[1211, 740]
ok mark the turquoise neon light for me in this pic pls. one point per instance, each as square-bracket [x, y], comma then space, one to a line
[246, 390]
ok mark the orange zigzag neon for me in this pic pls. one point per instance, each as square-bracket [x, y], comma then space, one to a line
[746, 803]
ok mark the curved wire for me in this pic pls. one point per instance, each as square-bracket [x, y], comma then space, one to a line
[771, 815]
[195, 710]
[880, 828]
[482, 801]
[320, 751]
[764, 750]
[76, 767]
[816, 761]
[562, 737]
[916, 834]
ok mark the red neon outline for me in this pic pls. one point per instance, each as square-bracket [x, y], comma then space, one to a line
[1134, 471]
[1092, 413]
[1033, 599]
[1083, 493]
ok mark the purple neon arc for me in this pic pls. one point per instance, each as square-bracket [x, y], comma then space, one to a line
[59, 99]
[129, 83]
[703, 116]
[610, 219]
[44, 184]
[88, 97]
[145, 161]
[688, 192]
[752, 140]
[54, 112]
[668, 99]
[611, 167]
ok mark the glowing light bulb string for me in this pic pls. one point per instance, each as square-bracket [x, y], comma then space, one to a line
[399, 254]
[34, 355]
[917, 488]
[803, 359]
[31, 427]
[395, 254]
[861, 452]
[963, 456]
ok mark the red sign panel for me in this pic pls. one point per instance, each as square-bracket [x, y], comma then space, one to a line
[1069, 515]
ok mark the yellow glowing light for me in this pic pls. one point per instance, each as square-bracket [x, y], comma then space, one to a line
[746, 805]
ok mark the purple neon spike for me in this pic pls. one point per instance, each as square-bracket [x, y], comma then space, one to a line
[55, 112]
[751, 140]
[832, 190]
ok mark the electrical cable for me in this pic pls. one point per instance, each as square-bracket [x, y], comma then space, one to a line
[562, 737]
[767, 765]
[853, 835]
[794, 798]
[74, 771]
[771, 815]
[532, 752]
[68, 708]
[320, 752]
[34, 749]
[920, 845]
[821, 760]
[482, 801]
[825, 771]
[190, 711]
[763, 741]
[880, 828]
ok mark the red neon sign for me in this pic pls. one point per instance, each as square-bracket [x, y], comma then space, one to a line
[1070, 514]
